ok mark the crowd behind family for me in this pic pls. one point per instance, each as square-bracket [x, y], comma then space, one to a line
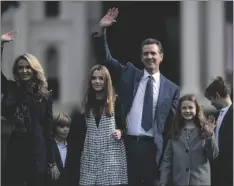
[134, 129]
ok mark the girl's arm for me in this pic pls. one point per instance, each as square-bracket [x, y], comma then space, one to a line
[49, 131]
[119, 117]
[211, 148]
[166, 165]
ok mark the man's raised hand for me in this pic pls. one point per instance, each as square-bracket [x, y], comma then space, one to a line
[109, 18]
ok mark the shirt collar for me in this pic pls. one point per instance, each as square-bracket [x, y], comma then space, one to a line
[155, 76]
[61, 144]
[225, 108]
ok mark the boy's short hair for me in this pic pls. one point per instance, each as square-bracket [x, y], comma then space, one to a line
[60, 119]
[220, 86]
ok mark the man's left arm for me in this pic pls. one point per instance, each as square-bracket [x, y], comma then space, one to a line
[171, 115]
[175, 102]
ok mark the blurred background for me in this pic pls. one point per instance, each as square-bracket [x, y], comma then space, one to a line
[197, 37]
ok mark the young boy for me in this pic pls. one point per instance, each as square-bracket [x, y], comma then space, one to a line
[59, 171]
[218, 93]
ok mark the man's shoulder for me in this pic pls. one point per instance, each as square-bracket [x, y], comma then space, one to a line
[129, 65]
[130, 69]
[230, 111]
[170, 83]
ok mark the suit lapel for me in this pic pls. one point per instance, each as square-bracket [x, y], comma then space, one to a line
[136, 82]
[227, 115]
[57, 156]
[228, 118]
[67, 156]
[162, 91]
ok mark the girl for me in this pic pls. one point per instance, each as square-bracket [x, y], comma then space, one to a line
[100, 132]
[27, 104]
[192, 144]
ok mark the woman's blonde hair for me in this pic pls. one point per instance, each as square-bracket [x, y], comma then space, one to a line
[40, 80]
[108, 92]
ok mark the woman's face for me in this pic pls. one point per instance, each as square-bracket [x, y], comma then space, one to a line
[188, 110]
[24, 70]
[97, 81]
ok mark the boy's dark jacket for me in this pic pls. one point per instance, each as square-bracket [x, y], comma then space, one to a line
[65, 172]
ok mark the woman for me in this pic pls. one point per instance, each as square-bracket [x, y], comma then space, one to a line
[27, 104]
[100, 133]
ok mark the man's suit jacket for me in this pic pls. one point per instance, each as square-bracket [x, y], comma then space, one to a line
[222, 166]
[126, 79]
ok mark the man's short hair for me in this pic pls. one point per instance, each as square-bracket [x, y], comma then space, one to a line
[220, 86]
[151, 41]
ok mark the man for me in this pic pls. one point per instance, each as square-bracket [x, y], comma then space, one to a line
[150, 101]
[218, 92]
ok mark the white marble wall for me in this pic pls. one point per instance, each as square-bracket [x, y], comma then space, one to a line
[191, 41]
[71, 33]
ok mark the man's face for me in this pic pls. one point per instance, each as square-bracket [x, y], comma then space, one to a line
[151, 58]
[216, 102]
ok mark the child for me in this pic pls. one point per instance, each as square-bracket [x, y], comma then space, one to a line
[103, 159]
[192, 144]
[59, 171]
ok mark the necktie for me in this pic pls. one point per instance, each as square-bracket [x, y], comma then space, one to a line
[147, 114]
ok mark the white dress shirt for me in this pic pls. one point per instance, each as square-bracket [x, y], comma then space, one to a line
[62, 150]
[135, 115]
[222, 113]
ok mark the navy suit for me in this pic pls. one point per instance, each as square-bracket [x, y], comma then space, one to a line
[222, 166]
[126, 79]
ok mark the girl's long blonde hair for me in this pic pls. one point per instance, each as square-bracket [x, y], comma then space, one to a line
[39, 76]
[90, 94]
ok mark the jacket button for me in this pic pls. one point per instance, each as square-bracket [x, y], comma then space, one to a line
[187, 151]
[187, 169]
